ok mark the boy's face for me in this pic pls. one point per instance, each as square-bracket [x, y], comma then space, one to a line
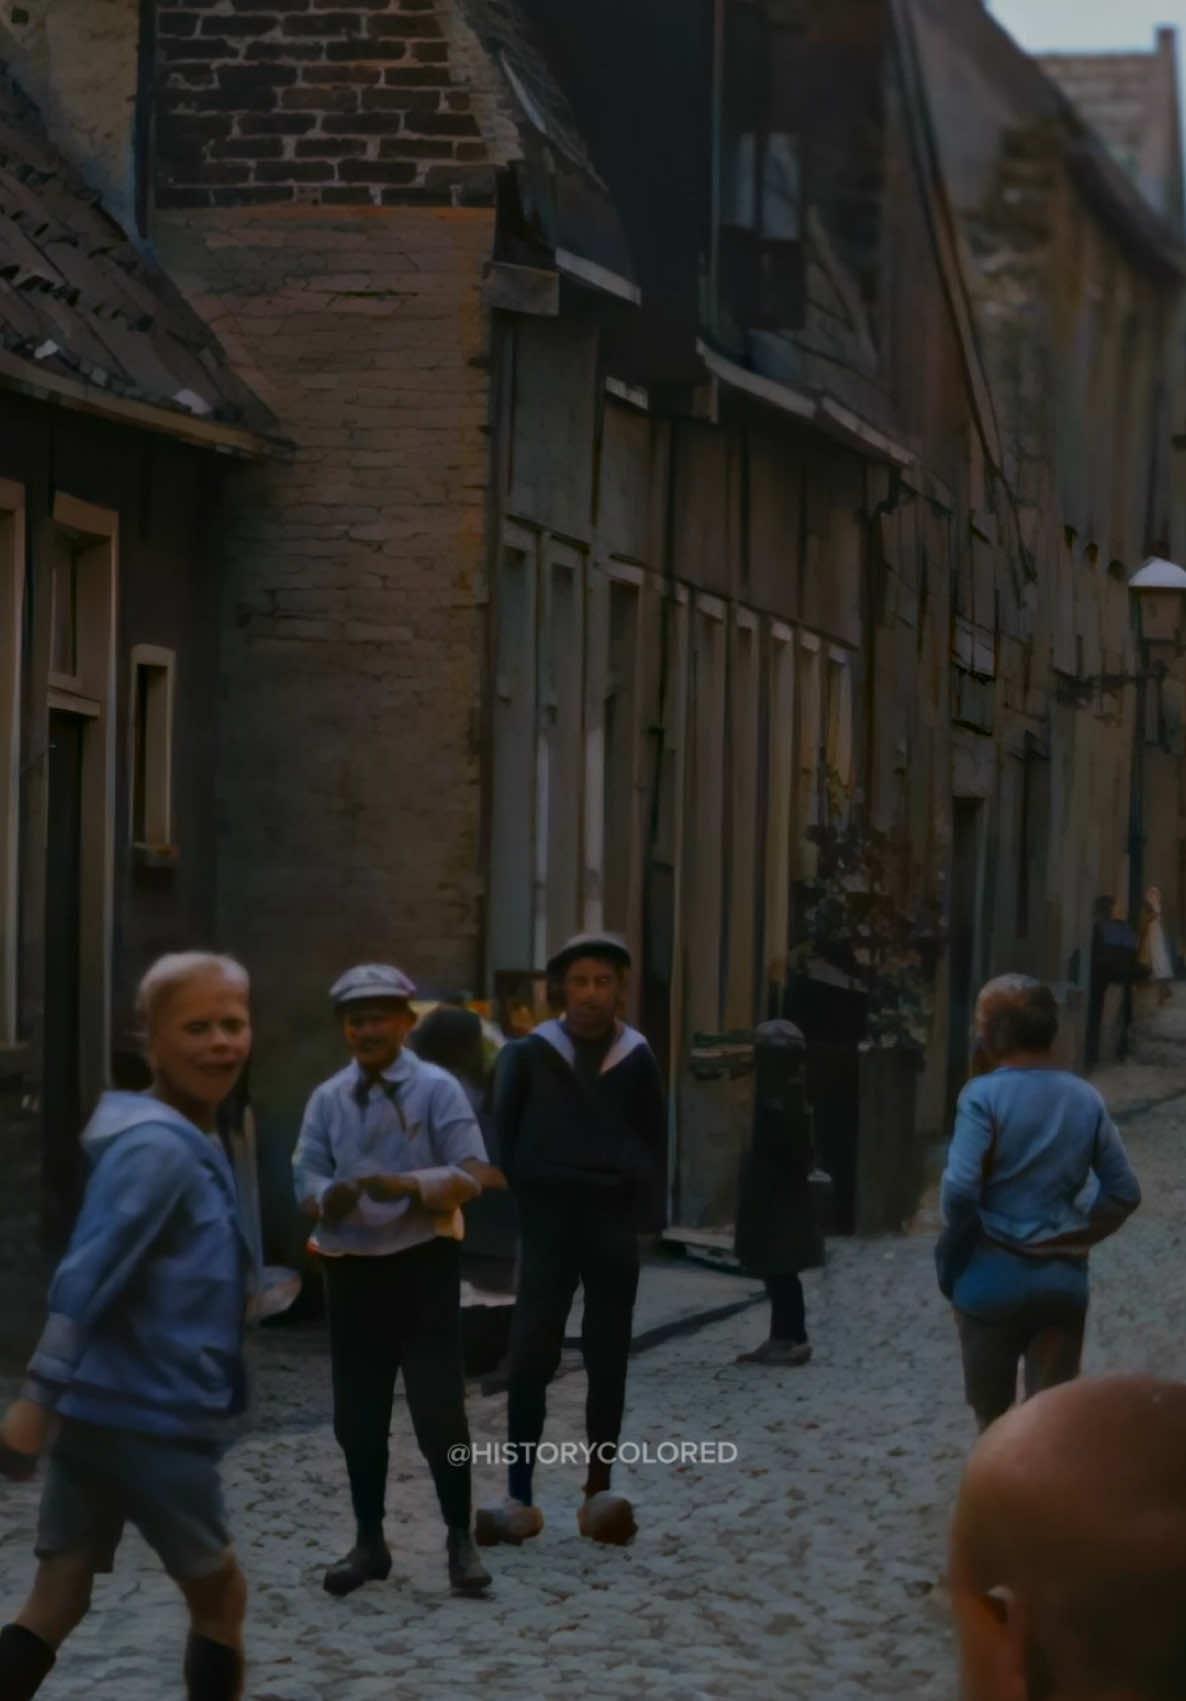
[200, 1040]
[592, 996]
[375, 1031]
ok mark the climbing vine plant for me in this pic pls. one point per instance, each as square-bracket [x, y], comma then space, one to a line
[867, 912]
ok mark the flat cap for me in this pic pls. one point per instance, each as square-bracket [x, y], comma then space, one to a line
[608, 945]
[369, 981]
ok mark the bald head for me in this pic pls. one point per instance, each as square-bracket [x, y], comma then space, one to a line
[1068, 1562]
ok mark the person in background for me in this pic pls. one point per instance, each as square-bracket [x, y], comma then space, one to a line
[388, 1152]
[582, 1129]
[453, 1039]
[1115, 962]
[140, 1367]
[1036, 1175]
[1155, 951]
[778, 1235]
[1068, 1548]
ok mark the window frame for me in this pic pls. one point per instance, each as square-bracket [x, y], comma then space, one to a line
[152, 658]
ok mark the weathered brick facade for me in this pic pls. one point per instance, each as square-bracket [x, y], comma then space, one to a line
[349, 787]
[324, 196]
[342, 102]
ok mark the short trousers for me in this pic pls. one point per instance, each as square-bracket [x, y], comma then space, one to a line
[1046, 1340]
[98, 1479]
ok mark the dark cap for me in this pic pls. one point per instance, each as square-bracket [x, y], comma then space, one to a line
[609, 946]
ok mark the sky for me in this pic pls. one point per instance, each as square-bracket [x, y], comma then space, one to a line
[1092, 24]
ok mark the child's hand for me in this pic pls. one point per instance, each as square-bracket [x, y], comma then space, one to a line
[442, 1191]
[23, 1436]
[340, 1200]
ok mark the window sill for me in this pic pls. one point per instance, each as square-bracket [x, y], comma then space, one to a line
[155, 856]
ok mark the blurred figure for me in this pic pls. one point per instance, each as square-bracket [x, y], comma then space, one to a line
[1036, 1175]
[1155, 951]
[141, 1360]
[1068, 1551]
[453, 1039]
[778, 1235]
[1115, 962]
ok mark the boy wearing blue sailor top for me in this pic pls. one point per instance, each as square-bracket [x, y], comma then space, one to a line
[389, 1151]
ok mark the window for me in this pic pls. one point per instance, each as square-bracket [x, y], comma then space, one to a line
[12, 584]
[838, 744]
[619, 786]
[705, 822]
[63, 661]
[152, 747]
[810, 723]
[761, 256]
[512, 853]
[779, 848]
[743, 837]
[559, 751]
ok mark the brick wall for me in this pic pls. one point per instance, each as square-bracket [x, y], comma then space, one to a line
[342, 102]
[349, 781]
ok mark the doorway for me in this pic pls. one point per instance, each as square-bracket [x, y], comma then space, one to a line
[964, 954]
[63, 973]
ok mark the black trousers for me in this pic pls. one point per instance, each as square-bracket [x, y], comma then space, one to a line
[387, 1314]
[571, 1235]
[788, 1309]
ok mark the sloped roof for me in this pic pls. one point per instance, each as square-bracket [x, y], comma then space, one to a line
[81, 310]
[507, 35]
[1129, 100]
[566, 206]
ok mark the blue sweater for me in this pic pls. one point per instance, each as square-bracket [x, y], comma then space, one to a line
[146, 1309]
[1035, 1157]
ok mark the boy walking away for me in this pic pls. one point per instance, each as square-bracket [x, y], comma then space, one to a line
[388, 1153]
[1036, 1176]
[582, 1129]
[140, 1365]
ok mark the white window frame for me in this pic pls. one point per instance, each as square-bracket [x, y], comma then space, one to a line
[158, 761]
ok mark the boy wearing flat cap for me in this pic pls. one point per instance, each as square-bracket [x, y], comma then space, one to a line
[582, 1131]
[388, 1153]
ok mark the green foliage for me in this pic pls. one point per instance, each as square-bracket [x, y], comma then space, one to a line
[861, 913]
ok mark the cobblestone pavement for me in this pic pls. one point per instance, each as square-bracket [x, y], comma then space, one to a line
[807, 1570]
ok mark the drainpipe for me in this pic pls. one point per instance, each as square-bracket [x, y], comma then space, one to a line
[718, 130]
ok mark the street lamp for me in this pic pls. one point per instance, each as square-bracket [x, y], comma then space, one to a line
[1159, 598]
[1158, 591]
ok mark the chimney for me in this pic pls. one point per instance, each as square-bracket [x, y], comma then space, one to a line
[78, 61]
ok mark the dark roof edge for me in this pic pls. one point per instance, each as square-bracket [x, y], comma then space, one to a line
[73, 393]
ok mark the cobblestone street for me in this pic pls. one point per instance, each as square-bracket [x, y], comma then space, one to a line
[808, 1569]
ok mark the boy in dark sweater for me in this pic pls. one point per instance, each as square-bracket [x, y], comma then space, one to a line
[582, 1129]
